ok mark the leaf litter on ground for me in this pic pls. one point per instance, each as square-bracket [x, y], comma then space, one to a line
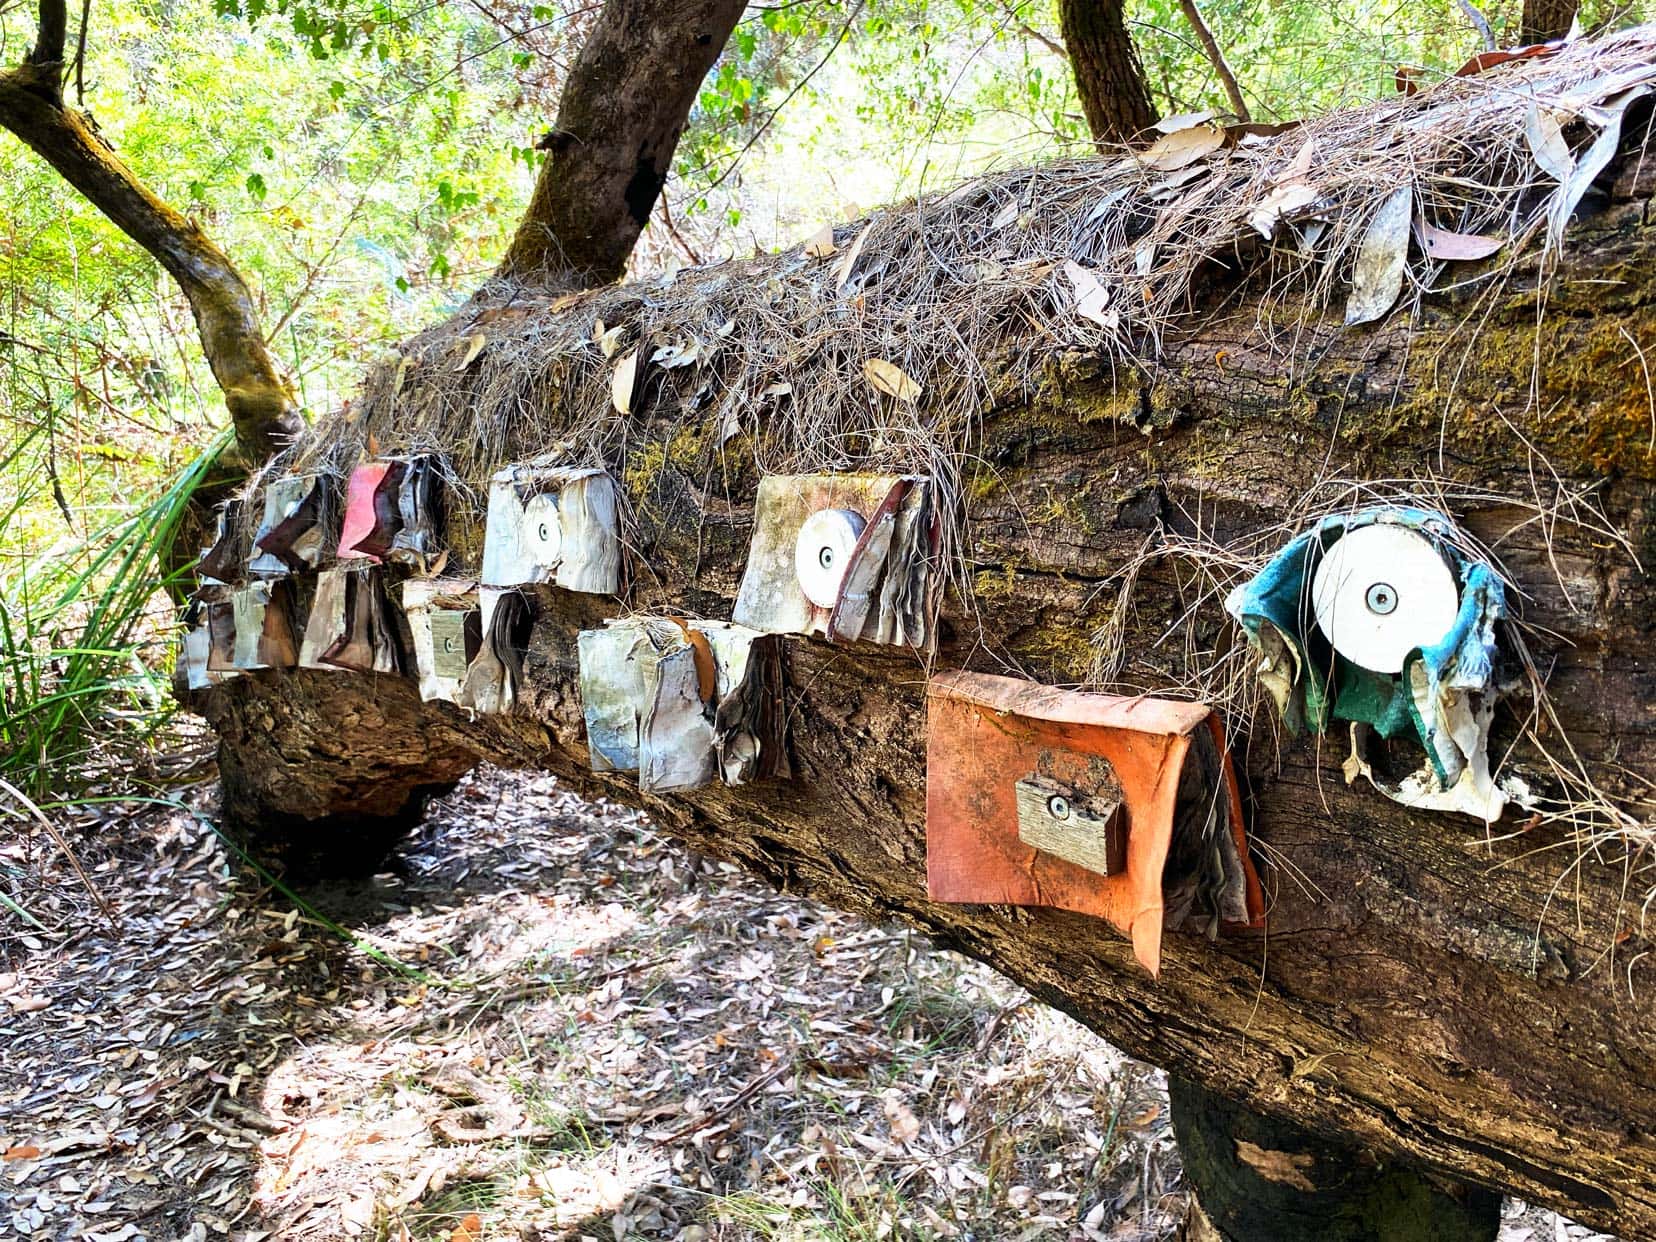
[594, 1033]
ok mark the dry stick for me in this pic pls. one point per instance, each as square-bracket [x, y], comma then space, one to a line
[1210, 45]
[1052, 45]
[716, 1115]
[28, 804]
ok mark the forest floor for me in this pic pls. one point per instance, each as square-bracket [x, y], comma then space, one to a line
[543, 1020]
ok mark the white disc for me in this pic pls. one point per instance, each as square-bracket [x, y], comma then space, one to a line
[542, 532]
[1382, 591]
[823, 551]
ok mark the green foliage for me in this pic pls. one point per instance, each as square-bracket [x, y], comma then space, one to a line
[360, 196]
[76, 620]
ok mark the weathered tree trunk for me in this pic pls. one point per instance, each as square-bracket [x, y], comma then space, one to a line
[1546, 19]
[622, 109]
[1481, 1004]
[1108, 75]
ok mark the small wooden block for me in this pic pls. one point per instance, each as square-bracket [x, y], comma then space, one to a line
[1087, 830]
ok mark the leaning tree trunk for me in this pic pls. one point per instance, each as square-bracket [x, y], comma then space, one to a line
[1108, 74]
[260, 400]
[1478, 1003]
[620, 114]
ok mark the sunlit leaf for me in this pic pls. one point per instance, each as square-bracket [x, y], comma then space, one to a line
[474, 346]
[890, 379]
[821, 243]
[622, 381]
[1183, 147]
[1382, 259]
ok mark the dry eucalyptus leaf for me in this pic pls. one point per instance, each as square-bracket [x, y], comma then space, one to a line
[1091, 297]
[1593, 161]
[905, 1126]
[1444, 244]
[730, 424]
[1382, 259]
[1183, 120]
[1105, 203]
[609, 341]
[1300, 166]
[1183, 147]
[1173, 182]
[1281, 204]
[1006, 215]
[1546, 143]
[679, 354]
[622, 381]
[890, 379]
[474, 346]
[821, 244]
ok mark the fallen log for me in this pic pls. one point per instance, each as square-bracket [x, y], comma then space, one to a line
[1473, 1000]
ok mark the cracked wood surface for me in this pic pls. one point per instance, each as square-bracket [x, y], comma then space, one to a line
[1472, 1001]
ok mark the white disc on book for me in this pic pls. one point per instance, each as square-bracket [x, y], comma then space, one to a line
[542, 531]
[1382, 591]
[823, 551]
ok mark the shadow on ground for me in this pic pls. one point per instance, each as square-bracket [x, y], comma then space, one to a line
[542, 1019]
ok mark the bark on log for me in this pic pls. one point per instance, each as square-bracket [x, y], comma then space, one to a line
[1472, 1002]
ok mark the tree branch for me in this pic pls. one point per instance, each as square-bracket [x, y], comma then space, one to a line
[260, 402]
[49, 42]
[1216, 57]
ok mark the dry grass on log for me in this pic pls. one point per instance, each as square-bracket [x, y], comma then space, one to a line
[968, 293]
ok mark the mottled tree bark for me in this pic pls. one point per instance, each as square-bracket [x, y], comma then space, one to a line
[622, 109]
[1478, 1003]
[1546, 19]
[1108, 75]
[32, 106]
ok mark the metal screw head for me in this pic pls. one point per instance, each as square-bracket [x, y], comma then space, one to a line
[545, 534]
[1058, 807]
[448, 643]
[825, 558]
[1381, 599]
